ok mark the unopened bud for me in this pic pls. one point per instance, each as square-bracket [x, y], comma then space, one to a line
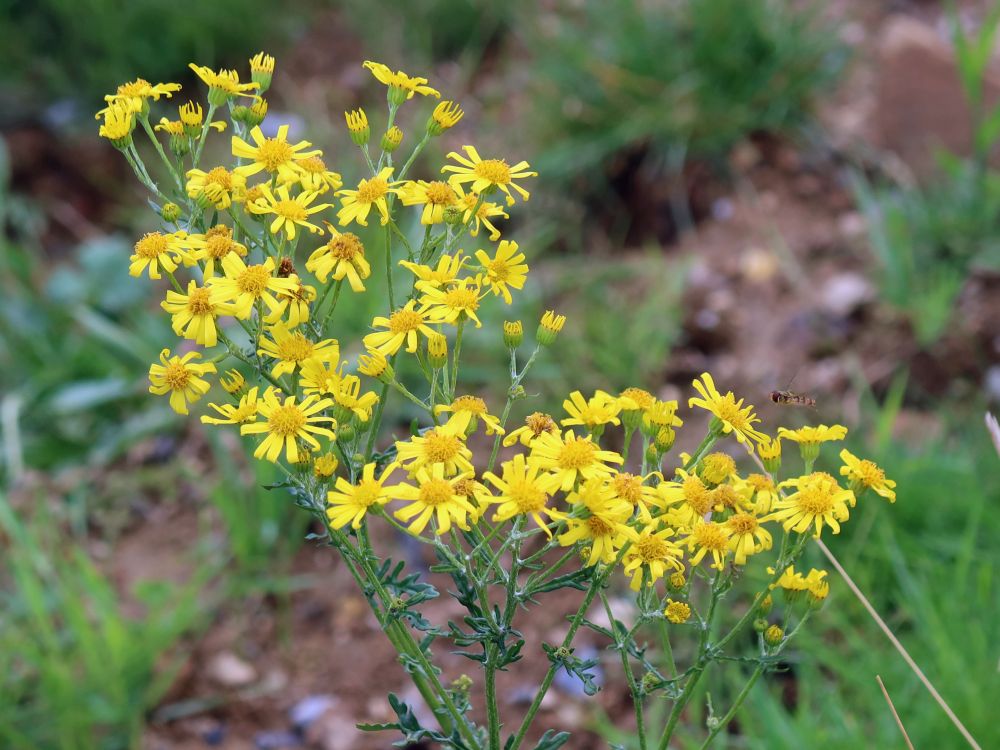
[513, 333]
[170, 212]
[391, 139]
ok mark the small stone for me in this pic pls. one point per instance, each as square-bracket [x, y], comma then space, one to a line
[307, 710]
[229, 670]
[844, 293]
[278, 740]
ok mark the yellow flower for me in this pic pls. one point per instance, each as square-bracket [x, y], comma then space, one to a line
[403, 83]
[748, 537]
[760, 491]
[708, 537]
[819, 501]
[455, 303]
[435, 197]
[601, 409]
[357, 204]
[271, 154]
[730, 415]
[716, 468]
[486, 211]
[244, 285]
[325, 465]
[442, 445]
[693, 499]
[349, 503]
[535, 424]
[288, 423]
[288, 212]
[487, 174]
[343, 256]
[119, 122]
[215, 187]
[437, 351]
[194, 313]
[549, 327]
[434, 496]
[523, 492]
[770, 454]
[346, 392]
[157, 250]
[375, 365]
[658, 415]
[571, 458]
[814, 435]
[651, 555]
[865, 474]
[817, 587]
[444, 117]
[134, 96]
[632, 488]
[677, 612]
[181, 378]
[261, 69]
[295, 302]
[291, 349]
[606, 530]
[243, 412]
[311, 174]
[233, 382]
[467, 411]
[513, 333]
[444, 274]
[357, 125]
[405, 325]
[506, 269]
[636, 399]
[215, 245]
[224, 84]
[791, 582]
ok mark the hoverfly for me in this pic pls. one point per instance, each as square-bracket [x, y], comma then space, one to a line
[787, 398]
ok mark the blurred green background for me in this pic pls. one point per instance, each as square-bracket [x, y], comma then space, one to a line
[729, 185]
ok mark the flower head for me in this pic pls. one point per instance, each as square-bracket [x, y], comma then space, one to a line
[244, 285]
[571, 458]
[349, 503]
[810, 438]
[536, 423]
[272, 155]
[747, 536]
[443, 274]
[291, 349]
[436, 496]
[505, 270]
[310, 174]
[240, 413]
[156, 250]
[467, 411]
[599, 410]
[651, 556]
[444, 117]
[818, 501]
[194, 313]
[357, 204]
[181, 377]
[444, 445]
[401, 86]
[288, 424]
[709, 538]
[487, 174]
[404, 326]
[677, 612]
[435, 197]
[216, 187]
[343, 256]
[224, 84]
[288, 212]
[864, 474]
[524, 490]
[730, 415]
[455, 303]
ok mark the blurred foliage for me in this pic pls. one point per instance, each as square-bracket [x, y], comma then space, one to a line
[92, 45]
[928, 240]
[76, 671]
[428, 31]
[683, 79]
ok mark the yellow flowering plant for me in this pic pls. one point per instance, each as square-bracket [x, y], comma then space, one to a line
[259, 251]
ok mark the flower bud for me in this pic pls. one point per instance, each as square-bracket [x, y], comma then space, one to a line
[324, 466]
[677, 612]
[261, 70]
[453, 216]
[437, 350]
[446, 115]
[391, 139]
[760, 625]
[766, 604]
[653, 455]
[180, 144]
[233, 383]
[357, 124]
[375, 365]
[191, 118]
[664, 439]
[549, 328]
[345, 431]
[513, 333]
[774, 635]
[170, 212]
[676, 581]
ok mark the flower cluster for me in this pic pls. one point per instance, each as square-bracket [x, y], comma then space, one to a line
[258, 251]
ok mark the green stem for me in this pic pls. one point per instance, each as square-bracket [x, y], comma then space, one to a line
[455, 356]
[201, 138]
[159, 150]
[735, 707]
[701, 450]
[333, 305]
[492, 711]
[640, 724]
[668, 650]
[388, 267]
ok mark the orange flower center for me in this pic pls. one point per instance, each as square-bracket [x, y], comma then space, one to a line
[526, 496]
[652, 548]
[404, 321]
[152, 245]
[371, 190]
[291, 210]
[177, 376]
[710, 536]
[628, 487]
[345, 246]
[313, 165]
[286, 421]
[273, 153]
[539, 423]
[440, 194]
[472, 404]
[440, 447]
[743, 523]
[576, 454]
[219, 176]
[493, 170]
[462, 298]
[295, 348]
[199, 302]
[599, 527]
[254, 280]
[436, 492]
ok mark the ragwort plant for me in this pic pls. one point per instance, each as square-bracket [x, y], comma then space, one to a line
[257, 257]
